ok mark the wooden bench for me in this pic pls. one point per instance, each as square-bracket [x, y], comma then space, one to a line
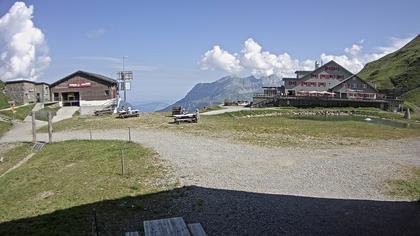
[172, 227]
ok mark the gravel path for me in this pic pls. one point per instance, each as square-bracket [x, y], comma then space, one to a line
[226, 109]
[345, 172]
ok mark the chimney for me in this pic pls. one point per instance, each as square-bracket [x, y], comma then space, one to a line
[316, 65]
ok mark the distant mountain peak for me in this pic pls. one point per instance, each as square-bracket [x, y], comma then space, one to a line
[227, 87]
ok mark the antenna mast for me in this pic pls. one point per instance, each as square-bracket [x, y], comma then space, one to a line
[125, 78]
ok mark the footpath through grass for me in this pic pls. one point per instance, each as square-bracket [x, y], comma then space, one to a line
[66, 175]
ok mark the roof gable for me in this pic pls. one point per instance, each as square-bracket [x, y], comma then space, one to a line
[330, 63]
[354, 76]
[100, 78]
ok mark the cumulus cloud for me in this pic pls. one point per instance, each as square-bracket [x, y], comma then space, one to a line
[252, 58]
[264, 63]
[23, 48]
[217, 58]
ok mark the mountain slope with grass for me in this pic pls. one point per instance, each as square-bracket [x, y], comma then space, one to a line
[229, 87]
[399, 70]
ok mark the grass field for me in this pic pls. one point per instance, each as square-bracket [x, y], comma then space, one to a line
[21, 112]
[408, 187]
[52, 186]
[267, 127]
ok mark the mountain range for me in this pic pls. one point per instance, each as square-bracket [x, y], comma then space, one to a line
[230, 87]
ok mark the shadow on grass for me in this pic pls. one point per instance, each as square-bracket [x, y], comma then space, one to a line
[227, 212]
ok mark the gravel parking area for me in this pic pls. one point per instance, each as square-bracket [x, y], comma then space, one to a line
[353, 172]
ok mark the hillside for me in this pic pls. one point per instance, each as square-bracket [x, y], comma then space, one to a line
[229, 87]
[398, 70]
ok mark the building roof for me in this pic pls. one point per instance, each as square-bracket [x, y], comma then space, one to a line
[99, 77]
[24, 81]
[354, 76]
[302, 71]
[273, 87]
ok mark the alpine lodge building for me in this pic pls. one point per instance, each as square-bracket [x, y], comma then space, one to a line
[329, 85]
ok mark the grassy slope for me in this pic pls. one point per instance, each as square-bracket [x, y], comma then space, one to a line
[412, 96]
[87, 172]
[276, 130]
[4, 127]
[400, 69]
[21, 112]
[3, 98]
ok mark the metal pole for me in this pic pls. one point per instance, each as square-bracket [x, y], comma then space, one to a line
[122, 161]
[33, 128]
[129, 134]
[90, 134]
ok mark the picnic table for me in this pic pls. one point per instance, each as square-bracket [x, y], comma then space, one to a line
[172, 227]
[128, 113]
[189, 117]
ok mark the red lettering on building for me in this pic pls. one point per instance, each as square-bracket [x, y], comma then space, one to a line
[79, 85]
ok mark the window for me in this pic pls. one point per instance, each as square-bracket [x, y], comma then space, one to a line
[107, 92]
[364, 86]
[354, 85]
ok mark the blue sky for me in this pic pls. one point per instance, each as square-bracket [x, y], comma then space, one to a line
[164, 41]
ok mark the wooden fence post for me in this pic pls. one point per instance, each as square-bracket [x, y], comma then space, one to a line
[122, 162]
[90, 134]
[50, 128]
[33, 128]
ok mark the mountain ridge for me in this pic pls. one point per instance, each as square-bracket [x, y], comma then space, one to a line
[227, 87]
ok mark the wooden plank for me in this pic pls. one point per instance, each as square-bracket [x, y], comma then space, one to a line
[166, 227]
[131, 233]
[196, 229]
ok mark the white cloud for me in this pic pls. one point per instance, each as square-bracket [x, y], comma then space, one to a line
[217, 58]
[95, 33]
[24, 51]
[264, 63]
